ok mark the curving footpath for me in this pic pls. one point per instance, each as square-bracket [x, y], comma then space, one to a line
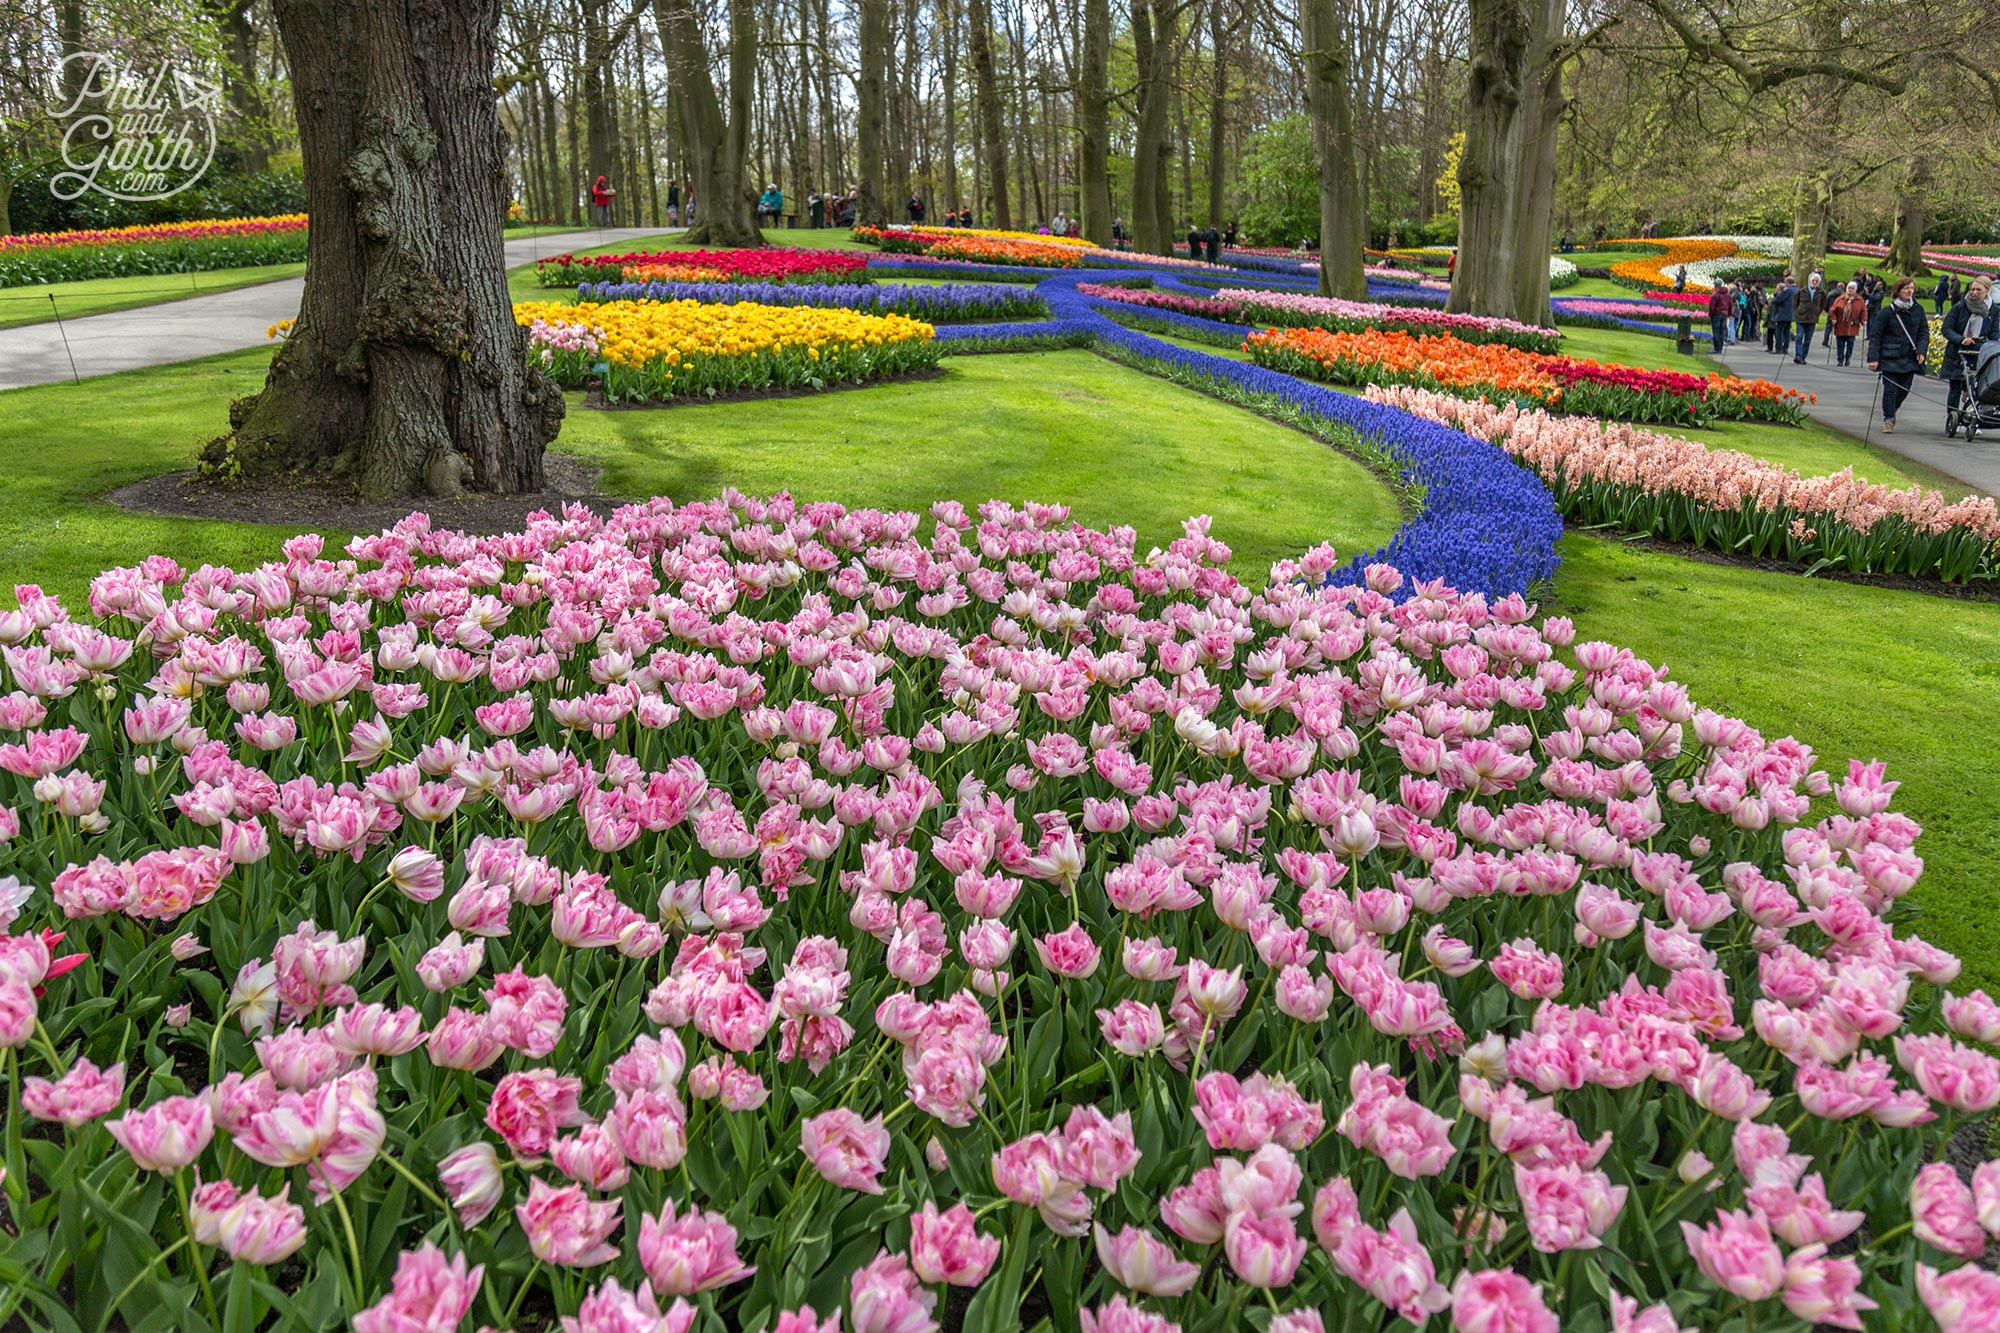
[1847, 400]
[158, 335]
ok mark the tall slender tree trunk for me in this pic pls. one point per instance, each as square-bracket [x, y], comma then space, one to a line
[251, 134]
[1906, 242]
[718, 148]
[1093, 118]
[1150, 224]
[1329, 95]
[405, 371]
[988, 90]
[949, 9]
[872, 208]
[1218, 108]
[1506, 174]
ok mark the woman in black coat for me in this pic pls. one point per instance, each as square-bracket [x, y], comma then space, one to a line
[1974, 320]
[1898, 338]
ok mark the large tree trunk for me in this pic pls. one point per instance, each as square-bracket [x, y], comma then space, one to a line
[405, 370]
[990, 128]
[1506, 174]
[1218, 104]
[1151, 226]
[1093, 114]
[1342, 229]
[1906, 243]
[872, 206]
[251, 133]
[1812, 203]
[949, 9]
[718, 150]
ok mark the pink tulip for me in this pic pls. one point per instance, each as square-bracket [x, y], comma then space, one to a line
[1945, 1213]
[887, 1297]
[528, 1108]
[472, 1182]
[1070, 952]
[429, 1294]
[165, 1136]
[1142, 1262]
[1498, 1300]
[691, 1252]
[846, 1150]
[1117, 1316]
[1736, 1253]
[1097, 1151]
[947, 1247]
[609, 1308]
[1627, 1317]
[1264, 1251]
[565, 1227]
[257, 1230]
[84, 1094]
[1824, 1291]
[1965, 1300]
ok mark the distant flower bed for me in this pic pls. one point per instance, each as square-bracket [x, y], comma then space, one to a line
[1564, 383]
[936, 303]
[1707, 260]
[639, 351]
[975, 246]
[166, 247]
[1962, 262]
[773, 264]
[1298, 309]
[1681, 490]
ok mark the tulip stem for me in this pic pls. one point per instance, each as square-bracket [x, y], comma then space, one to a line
[353, 1246]
[411, 1176]
[513, 1306]
[42, 1035]
[137, 1278]
[195, 1261]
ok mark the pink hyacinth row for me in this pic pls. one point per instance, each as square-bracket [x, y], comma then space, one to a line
[1584, 448]
[1418, 317]
[764, 914]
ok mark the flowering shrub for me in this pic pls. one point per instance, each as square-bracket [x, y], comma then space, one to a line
[1570, 383]
[768, 265]
[726, 909]
[934, 303]
[640, 351]
[1681, 490]
[165, 247]
[1298, 309]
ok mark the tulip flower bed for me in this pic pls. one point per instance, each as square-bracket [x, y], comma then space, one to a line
[771, 265]
[976, 247]
[169, 247]
[1968, 263]
[1655, 485]
[935, 303]
[1706, 259]
[1569, 384]
[1301, 310]
[653, 351]
[758, 915]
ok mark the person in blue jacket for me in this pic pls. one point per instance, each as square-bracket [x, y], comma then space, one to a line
[770, 204]
[1778, 320]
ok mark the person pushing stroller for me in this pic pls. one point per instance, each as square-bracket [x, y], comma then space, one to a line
[1971, 368]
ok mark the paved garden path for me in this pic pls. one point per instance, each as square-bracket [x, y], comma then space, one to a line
[158, 335]
[1848, 402]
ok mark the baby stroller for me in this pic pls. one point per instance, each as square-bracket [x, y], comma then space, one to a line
[1979, 404]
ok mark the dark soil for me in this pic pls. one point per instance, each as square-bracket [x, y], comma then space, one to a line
[593, 397]
[1957, 592]
[301, 502]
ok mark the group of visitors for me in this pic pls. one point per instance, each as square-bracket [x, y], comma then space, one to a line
[1789, 314]
[1206, 242]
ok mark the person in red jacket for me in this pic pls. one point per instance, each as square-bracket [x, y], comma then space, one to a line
[601, 195]
[1720, 302]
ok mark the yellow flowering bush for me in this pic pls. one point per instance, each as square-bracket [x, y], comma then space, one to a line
[650, 350]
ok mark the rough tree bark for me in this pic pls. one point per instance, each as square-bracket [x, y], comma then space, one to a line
[1218, 106]
[871, 207]
[949, 12]
[1906, 242]
[405, 370]
[1152, 228]
[251, 133]
[718, 149]
[1093, 114]
[1506, 175]
[1342, 228]
[1812, 212]
[980, 14]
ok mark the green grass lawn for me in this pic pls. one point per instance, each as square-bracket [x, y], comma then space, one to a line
[97, 296]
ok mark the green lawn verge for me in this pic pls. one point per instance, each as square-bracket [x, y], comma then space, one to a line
[98, 296]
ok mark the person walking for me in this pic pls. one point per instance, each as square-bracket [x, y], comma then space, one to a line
[1720, 303]
[1194, 242]
[673, 203]
[1229, 237]
[1898, 338]
[1212, 240]
[1681, 278]
[1807, 307]
[1941, 295]
[1974, 320]
[1753, 310]
[1957, 289]
[1847, 317]
[601, 195]
[915, 208]
[1118, 233]
[1778, 326]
